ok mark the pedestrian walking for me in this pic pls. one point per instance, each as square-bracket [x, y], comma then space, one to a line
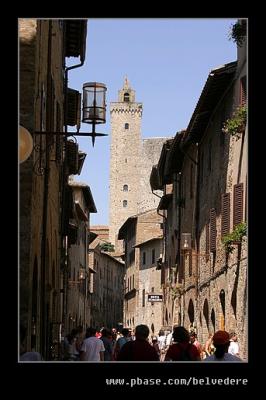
[108, 344]
[138, 349]
[182, 349]
[92, 348]
[121, 341]
[24, 354]
[208, 348]
[195, 342]
[234, 346]
[221, 342]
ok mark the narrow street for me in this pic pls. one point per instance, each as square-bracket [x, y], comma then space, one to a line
[166, 278]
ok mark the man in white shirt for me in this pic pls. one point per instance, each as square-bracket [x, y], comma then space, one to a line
[92, 348]
[233, 347]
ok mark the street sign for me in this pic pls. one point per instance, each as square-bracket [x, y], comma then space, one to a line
[155, 297]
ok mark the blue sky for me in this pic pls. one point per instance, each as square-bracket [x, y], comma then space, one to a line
[167, 62]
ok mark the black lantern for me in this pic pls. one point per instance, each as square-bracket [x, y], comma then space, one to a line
[94, 106]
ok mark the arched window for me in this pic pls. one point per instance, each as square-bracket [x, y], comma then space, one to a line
[124, 203]
[126, 125]
[125, 188]
[126, 97]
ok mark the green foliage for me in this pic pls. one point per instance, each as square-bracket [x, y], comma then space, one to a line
[107, 247]
[236, 125]
[234, 237]
[238, 32]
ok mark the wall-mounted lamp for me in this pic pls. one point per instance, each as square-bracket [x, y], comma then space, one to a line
[82, 274]
[82, 277]
[186, 241]
[25, 144]
[93, 110]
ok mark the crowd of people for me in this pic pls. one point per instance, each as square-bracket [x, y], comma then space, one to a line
[178, 345]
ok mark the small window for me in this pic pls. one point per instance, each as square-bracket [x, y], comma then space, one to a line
[126, 97]
[125, 160]
[125, 188]
[153, 256]
[143, 297]
[124, 203]
[144, 258]
[126, 126]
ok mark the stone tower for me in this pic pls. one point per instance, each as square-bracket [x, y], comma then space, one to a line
[125, 158]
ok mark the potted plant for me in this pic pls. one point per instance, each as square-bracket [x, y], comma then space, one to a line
[235, 126]
[234, 237]
[238, 32]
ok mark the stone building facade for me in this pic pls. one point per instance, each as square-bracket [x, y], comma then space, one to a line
[138, 230]
[130, 163]
[78, 288]
[106, 287]
[43, 48]
[150, 312]
[206, 288]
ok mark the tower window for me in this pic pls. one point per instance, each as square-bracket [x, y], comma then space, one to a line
[126, 125]
[124, 203]
[126, 97]
[125, 188]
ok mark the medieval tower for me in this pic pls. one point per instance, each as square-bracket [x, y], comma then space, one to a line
[125, 158]
[131, 162]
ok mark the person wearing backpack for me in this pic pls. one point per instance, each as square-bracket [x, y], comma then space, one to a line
[121, 341]
[182, 349]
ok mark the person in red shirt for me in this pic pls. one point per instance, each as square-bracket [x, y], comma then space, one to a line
[182, 350]
[139, 349]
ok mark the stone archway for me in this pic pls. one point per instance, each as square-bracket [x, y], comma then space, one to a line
[191, 312]
[222, 314]
[206, 313]
[213, 319]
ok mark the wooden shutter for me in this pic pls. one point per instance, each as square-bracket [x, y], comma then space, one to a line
[207, 241]
[190, 263]
[238, 204]
[225, 214]
[243, 91]
[212, 230]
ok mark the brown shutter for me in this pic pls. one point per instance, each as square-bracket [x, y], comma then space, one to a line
[243, 90]
[238, 204]
[207, 241]
[212, 230]
[190, 263]
[225, 214]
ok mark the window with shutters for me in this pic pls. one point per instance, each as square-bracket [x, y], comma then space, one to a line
[238, 204]
[143, 297]
[243, 91]
[225, 229]
[190, 263]
[212, 230]
[207, 241]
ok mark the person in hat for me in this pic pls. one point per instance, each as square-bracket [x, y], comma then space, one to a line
[221, 342]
